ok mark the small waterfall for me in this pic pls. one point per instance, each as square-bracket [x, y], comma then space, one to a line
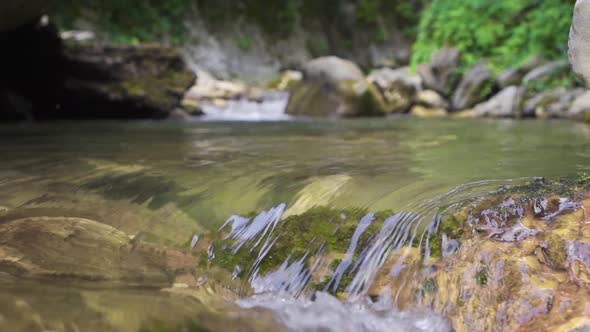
[399, 233]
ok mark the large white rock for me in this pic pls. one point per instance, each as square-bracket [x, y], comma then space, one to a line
[579, 40]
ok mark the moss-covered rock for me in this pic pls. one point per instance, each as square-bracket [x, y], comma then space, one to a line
[334, 87]
[523, 262]
[132, 81]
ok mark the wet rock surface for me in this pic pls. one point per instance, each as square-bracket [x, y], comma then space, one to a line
[82, 249]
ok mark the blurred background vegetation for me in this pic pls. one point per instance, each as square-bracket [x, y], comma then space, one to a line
[505, 32]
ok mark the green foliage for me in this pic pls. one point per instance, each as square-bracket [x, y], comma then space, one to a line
[506, 32]
[128, 21]
[139, 21]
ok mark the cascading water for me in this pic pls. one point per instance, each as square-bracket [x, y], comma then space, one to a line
[293, 291]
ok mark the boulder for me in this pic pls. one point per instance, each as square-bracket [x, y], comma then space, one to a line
[505, 104]
[85, 250]
[431, 99]
[544, 73]
[428, 112]
[474, 87]
[579, 40]
[552, 103]
[332, 86]
[580, 107]
[513, 76]
[440, 74]
[122, 81]
[397, 88]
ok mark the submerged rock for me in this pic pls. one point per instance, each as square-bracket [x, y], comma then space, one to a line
[333, 86]
[84, 250]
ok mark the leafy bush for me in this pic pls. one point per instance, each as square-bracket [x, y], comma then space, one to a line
[128, 21]
[506, 32]
[145, 20]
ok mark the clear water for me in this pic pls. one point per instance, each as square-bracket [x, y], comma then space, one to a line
[169, 181]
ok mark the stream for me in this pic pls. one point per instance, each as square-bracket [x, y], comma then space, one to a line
[220, 189]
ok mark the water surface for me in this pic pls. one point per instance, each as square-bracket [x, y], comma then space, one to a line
[167, 181]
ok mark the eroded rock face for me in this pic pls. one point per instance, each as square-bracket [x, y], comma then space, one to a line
[579, 40]
[333, 86]
[84, 250]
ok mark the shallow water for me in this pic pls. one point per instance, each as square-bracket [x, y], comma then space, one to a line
[166, 182]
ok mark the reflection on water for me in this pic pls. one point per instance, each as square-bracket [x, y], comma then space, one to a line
[164, 183]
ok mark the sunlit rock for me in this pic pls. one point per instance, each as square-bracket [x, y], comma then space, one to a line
[427, 112]
[579, 40]
[397, 88]
[432, 99]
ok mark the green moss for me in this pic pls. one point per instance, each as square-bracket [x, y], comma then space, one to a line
[542, 187]
[453, 227]
[482, 276]
[321, 227]
[160, 326]
[556, 252]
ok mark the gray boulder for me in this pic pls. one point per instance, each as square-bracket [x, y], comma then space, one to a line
[397, 88]
[332, 86]
[554, 103]
[506, 104]
[474, 87]
[431, 99]
[544, 73]
[513, 76]
[439, 74]
[579, 40]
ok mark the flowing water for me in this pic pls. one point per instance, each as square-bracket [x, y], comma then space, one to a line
[175, 184]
